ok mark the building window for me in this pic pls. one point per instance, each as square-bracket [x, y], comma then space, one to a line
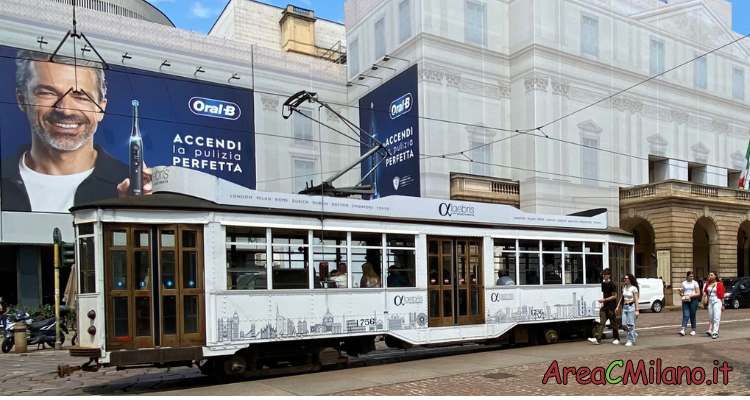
[504, 262]
[590, 35]
[481, 157]
[404, 20]
[700, 70]
[290, 259]
[589, 158]
[304, 171]
[331, 269]
[246, 258]
[367, 260]
[401, 261]
[353, 58]
[475, 23]
[657, 56]
[302, 127]
[379, 38]
[738, 84]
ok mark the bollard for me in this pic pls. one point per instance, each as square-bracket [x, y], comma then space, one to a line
[19, 336]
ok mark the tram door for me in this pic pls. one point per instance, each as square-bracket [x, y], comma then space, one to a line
[456, 292]
[154, 286]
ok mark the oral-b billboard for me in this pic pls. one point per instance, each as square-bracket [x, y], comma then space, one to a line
[390, 113]
[65, 129]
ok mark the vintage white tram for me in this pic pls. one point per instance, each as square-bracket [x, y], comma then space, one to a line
[236, 281]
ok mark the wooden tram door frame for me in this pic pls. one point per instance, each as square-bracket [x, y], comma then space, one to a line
[184, 292]
[455, 271]
[181, 290]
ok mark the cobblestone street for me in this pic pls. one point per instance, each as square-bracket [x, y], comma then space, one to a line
[512, 371]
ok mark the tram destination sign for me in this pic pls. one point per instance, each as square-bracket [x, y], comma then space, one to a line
[220, 191]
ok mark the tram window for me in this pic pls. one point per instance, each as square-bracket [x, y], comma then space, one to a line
[241, 234]
[552, 263]
[576, 247]
[86, 257]
[593, 247]
[367, 239]
[142, 270]
[505, 262]
[330, 266]
[392, 240]
[528, 268]
[290, 259]
[366, 267]
[401, 268]
[551, 245]
[119, 262]
[528, 245]
[594, 268]
[573, 268]
[329, 238]
[85, 229]
[246, 258]
[119, 238]
[289, 237]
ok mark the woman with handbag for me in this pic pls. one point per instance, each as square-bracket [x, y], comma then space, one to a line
[713, 299]
[691, 294]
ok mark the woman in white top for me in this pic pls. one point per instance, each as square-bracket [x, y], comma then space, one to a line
[713, 298]
[690, 292]
[629, 307]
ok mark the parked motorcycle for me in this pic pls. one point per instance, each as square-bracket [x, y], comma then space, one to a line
[37, 332]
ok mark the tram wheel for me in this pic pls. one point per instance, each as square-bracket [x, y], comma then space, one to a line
[551, 336]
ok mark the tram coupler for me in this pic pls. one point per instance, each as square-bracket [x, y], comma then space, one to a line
[64, 370]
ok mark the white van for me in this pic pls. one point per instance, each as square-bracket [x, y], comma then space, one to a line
[651, 294]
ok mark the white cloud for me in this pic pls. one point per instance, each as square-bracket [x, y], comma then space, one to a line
[201, 11]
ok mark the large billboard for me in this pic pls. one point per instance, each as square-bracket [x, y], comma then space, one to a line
[391, 114]
[70, 132]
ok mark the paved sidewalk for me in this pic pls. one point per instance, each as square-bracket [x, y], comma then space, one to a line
[34, 373]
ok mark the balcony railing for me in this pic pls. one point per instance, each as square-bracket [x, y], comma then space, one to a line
[485, 189]
[683, 190]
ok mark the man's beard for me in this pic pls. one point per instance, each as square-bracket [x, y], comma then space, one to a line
[62, 142]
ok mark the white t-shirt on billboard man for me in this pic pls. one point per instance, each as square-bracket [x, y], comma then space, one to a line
[50, 193]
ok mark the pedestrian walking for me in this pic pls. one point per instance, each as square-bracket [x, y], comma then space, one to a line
[629, 307]
[690, 292]
[713, 299]
[607, 311]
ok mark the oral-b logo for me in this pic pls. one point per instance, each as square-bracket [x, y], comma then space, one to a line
[401, 106]
[213, 108]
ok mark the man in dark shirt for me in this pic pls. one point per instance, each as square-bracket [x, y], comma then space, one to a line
[607, 310]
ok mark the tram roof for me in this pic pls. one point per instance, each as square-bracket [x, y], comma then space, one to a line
[183, 189]
[177, 201]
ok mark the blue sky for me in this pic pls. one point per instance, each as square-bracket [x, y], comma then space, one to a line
[199, 15]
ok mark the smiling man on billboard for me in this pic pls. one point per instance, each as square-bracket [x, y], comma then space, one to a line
[64, 104]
